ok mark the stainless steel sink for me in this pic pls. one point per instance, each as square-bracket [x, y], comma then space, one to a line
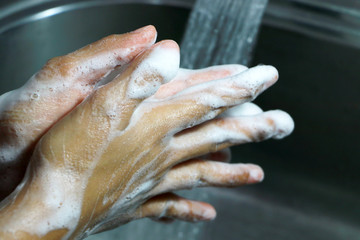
[311, 189]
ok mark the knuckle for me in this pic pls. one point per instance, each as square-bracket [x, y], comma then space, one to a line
[251, 92]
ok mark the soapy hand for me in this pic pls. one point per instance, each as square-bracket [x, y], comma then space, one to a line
[28, 112]
[117, 155]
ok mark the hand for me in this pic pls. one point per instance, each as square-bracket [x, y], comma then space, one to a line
[103, 163]
[28, 112]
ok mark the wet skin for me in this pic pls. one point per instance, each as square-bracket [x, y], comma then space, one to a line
[115, 153]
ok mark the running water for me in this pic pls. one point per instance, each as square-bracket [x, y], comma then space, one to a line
[218, 32]
[221, 32]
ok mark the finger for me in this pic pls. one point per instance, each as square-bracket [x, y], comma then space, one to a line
[144, 75]
[27, 113]
[205, 101]
[187, 78]
[204, 173]
[172, 206]
[224, 132]
[245, 109]
[155, 67]
[64, 82]
[93, 61]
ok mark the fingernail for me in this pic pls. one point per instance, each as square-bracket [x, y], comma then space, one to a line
[209, 214]
[256, 175]
[272, 72]
[284, 123]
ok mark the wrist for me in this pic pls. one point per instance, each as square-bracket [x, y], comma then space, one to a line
[44, 206]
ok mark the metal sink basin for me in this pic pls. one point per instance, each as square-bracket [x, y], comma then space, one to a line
[311, 189]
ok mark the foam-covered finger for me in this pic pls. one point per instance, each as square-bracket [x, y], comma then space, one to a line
[118, 99]
[233, 90]
[155, 67]
[245, 109]
[172, 206]
[205, 173]
[188, 77]
[224, 132]
[205, 101]
[93, 61]
[147, 72]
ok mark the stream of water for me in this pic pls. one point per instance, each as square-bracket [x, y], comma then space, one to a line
[217, 32]
[221, 32]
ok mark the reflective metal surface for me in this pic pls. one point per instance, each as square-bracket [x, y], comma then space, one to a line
[311, 189]
[334, 20]
[331, 20]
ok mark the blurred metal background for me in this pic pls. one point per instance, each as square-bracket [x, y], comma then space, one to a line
[311, 189]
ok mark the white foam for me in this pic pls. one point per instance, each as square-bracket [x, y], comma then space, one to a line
[284, 123]
[127, 201]
[257, 174]
[10, 153]
[233, 68]
[35, 89]
[11, 149]
[141, 189]
[245, 109]
[7, 100]
[257, 125]
[107, 60]
[232, 90]
[61, 204]
[162, 61]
